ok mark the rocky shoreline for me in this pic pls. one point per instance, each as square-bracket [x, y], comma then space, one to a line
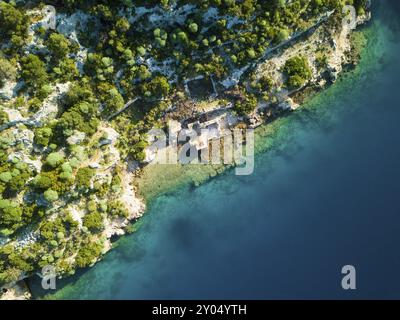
[284, 101]
[343, 55]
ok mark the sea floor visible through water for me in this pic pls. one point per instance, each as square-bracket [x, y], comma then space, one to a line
[323, 195]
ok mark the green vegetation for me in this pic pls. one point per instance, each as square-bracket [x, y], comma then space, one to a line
[54, 159]
[58, 45]
[88, 254]
[43, 136]
[7, 71]
[13, 25]
[11, 213]
[83, 177]
[245, 104]
[51, 195]
[298, 72]
[61, 159]
[34, 75]
[93, 221]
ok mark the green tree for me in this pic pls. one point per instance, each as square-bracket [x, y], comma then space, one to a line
[193, 27]
[141, 51]
[13, 24]
[43, 182]
[66, 70]
[51, 195]
[33, 71]
[42, 136]
[4, 118]
[298, 71]
[58, 45]
[10, 275]
[143, 73]
[88, 253]
[122, 25]
[10, 213]
[110, 97]
[83, 177]
[282, 35]
[93, 221]
[81, 117]
[54, 159]
[157, 87]
[246, 105]
[7, 72]
[5, 176]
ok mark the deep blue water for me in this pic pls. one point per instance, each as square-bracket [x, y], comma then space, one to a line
[327, 195]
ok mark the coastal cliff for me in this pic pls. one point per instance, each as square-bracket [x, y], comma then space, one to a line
[79, 172]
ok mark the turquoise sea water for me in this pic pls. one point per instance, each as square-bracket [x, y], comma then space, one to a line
[323, 195]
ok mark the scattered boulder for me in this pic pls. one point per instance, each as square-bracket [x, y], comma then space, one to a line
[77, 138]
[94, 165]
[105, 142]
[288, 104]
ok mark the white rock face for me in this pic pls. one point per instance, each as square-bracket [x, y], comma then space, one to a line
[24, 136]
[68, 25]
[26, 239]
[77, 138]
[288, 104]
[112, 135]
[16, 291]
[49, 108]
[33, 164]
[14, 115]
[77, 215]
[158, 16]
[129, 198]
[94, 165]
[8, 90]
[234, 79]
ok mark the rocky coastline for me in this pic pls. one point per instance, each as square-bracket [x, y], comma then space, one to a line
[341, 53]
